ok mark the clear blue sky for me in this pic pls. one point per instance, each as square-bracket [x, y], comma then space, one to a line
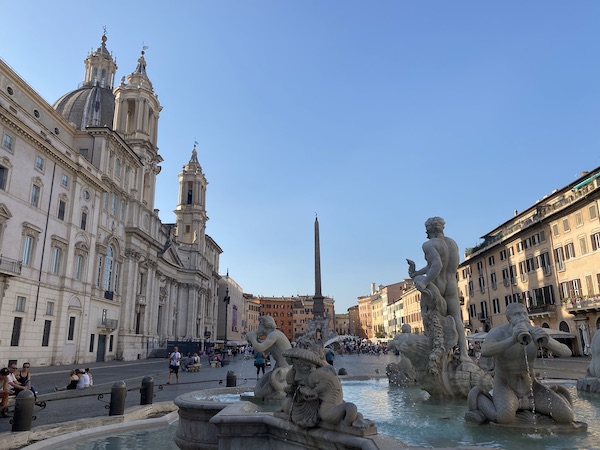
[374, 114]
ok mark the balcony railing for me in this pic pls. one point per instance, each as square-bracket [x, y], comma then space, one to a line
[542, 309]
[109, 323]
[582, 303]
[9, 266]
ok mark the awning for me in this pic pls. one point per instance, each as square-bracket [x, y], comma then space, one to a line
[557, 334]
[587, 181]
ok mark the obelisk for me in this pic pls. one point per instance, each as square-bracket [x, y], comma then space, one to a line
[318, 306]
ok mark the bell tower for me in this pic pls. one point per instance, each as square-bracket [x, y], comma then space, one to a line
[191, 209]
[136, 120]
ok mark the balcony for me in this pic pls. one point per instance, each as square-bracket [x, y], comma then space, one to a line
[108, 324]
[109, 295]
[582, 305]
[483, 317]
[9, 266]
[542, 310]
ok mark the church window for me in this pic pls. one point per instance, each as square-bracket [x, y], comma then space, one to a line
[108, 268]
[8, 141]
[3, 177]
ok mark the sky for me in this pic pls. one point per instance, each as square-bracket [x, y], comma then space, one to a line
[372, 115]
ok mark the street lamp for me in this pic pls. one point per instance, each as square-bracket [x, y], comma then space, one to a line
[226, 300]
[395, 324]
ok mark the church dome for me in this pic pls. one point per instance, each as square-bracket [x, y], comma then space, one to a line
[92, 104]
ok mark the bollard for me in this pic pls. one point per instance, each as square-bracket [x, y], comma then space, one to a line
[231, 379]
[147, 391]
[23, 411]
[117, 399]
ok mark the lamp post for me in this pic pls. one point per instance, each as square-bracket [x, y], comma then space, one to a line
[395, 324]
[226, 300]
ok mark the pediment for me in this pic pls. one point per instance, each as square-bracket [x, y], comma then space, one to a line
[170, 255]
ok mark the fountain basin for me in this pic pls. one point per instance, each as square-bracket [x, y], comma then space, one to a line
[209, 424]
[404, 417]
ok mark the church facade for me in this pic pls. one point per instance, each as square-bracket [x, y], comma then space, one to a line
[88, 272]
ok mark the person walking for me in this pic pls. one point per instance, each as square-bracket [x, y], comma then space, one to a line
[259, 363]
[174, 361]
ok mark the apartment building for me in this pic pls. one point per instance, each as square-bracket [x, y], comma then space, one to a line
[547, 257]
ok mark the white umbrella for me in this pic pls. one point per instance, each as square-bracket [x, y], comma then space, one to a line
[477, 336]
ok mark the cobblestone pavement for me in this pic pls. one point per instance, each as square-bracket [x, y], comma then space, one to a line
[70, 405]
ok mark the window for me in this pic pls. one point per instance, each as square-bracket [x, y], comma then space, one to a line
[479, 266]
[91, 349]
[481, 284]
[99, 278]
[511, 251]
[111, 343]
[35, 195]
[472, 310]
[559, 255]
[595, 241]
[62, 206]
[578, 219]
[3, 177]
[543, 261]
[570, 250]
[502, 255]
[71, 330]
[28, 244]
[493, 280]
[108, 268]
[20, 305]
[8, 142]
[46, 335]
[64, 181]
[555, 231]
[39, 163]
[491, 261]
[593, 211]
[122, 210]
[85, 153]
[16, 332]
[56, 257]
[566, 226]
[496, 306]
[113, 204]
[79, 260]
[50, 308]
[105, 200]
[118, 167]
[484, 310]
[83, 220]
[583, 245]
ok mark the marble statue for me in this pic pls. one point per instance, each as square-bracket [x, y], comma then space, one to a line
[518, 397]
[403, 371]
[272, 384]
[438, 368]
[314, 393]
[591, 382]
